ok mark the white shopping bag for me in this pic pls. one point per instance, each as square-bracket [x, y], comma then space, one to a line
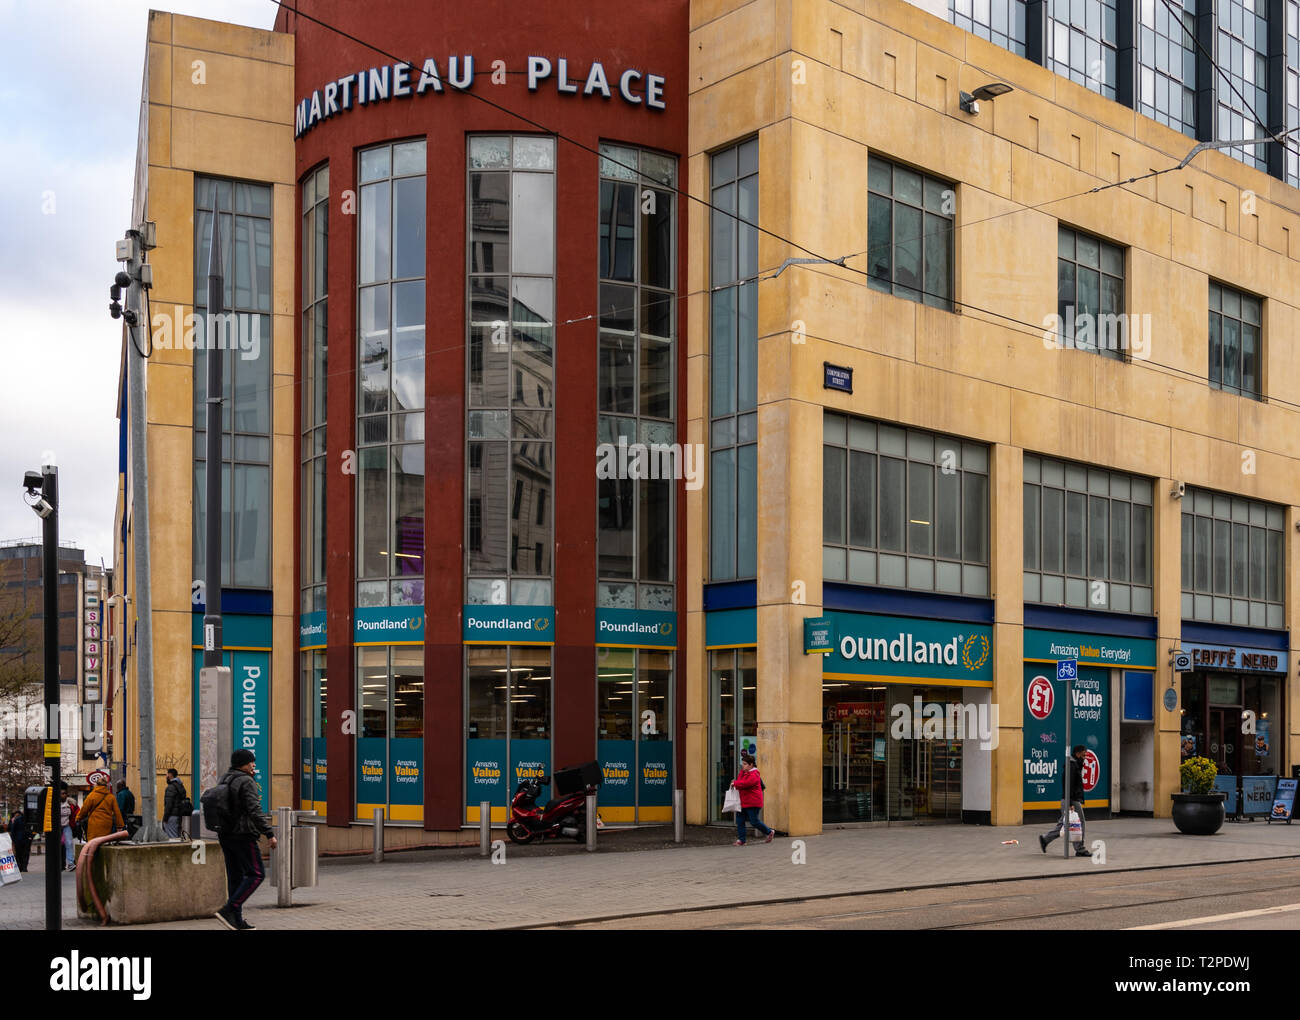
[8, 862]
[1076, 827]
[731, 802]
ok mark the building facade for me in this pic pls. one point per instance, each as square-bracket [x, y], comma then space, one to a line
[1035, 414]
[755, 380]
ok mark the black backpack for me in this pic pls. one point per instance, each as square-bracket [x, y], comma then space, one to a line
[218, 809]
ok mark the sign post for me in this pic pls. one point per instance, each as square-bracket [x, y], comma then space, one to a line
[1066, 670]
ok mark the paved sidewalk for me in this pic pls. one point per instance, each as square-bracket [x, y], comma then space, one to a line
[453, 889]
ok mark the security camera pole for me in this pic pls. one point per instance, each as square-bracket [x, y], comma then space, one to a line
[212, 638]
[53, 752]
[137, 241]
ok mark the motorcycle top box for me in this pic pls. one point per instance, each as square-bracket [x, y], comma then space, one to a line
[577, 778]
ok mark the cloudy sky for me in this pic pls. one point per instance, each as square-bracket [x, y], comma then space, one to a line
[70, 98]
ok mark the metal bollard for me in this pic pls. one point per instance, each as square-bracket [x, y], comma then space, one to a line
[282, 860]
[591, 821]
[679, 816]
[484, 828]
[379, 836]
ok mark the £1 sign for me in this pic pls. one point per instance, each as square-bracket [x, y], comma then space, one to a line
[1040, 697]
[1091, 770]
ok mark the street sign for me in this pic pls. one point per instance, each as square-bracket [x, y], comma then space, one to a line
[1067, 669]
[1182, 662]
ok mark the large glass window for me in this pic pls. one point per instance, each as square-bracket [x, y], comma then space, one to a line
[507, 722]
[733, 363]
[636, 380]
[733, 719]
[314, 691]
[909, 233]
[1233, 560]
[390, 398]
[244, 341]
[1167, 59]
[315, 376]
[903, 508]
[999, 21]
[634, 703]
[1090, 294]
[390, 731]
[511, 361]
[1236, 341]
[1082, 41]
[1242, 56]
[1087, 537]
[1292, 90]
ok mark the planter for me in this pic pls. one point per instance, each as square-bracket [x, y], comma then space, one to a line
[1198, 814]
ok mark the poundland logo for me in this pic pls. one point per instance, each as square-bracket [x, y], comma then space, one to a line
[414, 623]
[608, 627]
[474, 623]
[102, 974]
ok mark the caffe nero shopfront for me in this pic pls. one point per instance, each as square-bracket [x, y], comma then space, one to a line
[1232, 713]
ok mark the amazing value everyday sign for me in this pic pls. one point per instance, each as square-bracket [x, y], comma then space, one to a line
[403, 80]
[1044, 735]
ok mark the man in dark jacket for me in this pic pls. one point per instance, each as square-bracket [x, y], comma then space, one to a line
[1076, 804]
[172, 799]
[244, 825]
[21, 835]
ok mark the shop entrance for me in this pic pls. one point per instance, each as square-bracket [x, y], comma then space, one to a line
[886, 753]
[733, 679]
[1225, 739]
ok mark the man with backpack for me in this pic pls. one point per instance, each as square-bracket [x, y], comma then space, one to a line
[233, 808]
[176, 805]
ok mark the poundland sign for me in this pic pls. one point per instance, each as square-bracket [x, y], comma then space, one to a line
[887, 647]
[401, 80]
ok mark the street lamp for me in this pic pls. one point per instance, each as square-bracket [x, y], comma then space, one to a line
[970, 101]
[41, 493]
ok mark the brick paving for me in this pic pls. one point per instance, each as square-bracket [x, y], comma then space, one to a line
[457, 889]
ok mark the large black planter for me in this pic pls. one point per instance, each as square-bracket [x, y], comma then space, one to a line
[1198, 814]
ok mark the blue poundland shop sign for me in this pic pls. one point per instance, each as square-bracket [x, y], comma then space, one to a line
[636, 628]
[388, 625]
[947, 652]
[508, 625]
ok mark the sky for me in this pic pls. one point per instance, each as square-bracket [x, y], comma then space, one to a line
[70, 99]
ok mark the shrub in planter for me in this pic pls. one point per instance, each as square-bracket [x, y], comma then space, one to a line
[1197, 811]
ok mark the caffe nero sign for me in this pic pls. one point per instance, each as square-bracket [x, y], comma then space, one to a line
[458, 73]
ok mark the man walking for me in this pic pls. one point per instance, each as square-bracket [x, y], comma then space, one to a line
[172, 801]
[21, 834]
[67, 819]
[1076, 804]
[238, 835]
[126, 804]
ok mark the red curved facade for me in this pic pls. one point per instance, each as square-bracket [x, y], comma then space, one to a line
[648, 39]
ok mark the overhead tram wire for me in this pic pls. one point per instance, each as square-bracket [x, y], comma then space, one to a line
[1279, 138]
[674, 188]
[1037, 330]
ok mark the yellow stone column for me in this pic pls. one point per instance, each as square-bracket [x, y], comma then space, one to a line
[1006, 560]
[1291, 689]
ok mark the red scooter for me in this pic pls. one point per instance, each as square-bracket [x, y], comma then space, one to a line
[565, 815]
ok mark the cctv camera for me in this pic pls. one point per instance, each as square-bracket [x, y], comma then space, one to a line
[1179, 490]
[42, 508]
[32, 480]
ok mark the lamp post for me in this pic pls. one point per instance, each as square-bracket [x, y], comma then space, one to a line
[42, 495]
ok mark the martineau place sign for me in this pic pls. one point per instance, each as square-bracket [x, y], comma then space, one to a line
[396, 81]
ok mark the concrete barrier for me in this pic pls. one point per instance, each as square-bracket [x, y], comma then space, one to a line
[157, 882]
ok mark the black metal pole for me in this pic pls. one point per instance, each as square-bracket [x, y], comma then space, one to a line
[212, 638]
[53, 751]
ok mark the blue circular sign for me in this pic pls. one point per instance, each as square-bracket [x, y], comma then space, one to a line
[1171, 699]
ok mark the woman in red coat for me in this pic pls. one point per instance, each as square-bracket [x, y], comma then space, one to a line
[750, 785]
